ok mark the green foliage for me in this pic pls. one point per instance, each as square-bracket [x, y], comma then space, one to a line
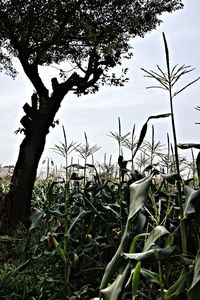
[92, 36]
[121, 244]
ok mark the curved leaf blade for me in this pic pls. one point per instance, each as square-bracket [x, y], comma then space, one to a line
[196, 276]
[155, 234]
[138, 195]
[114, 290]
[150, 276]
[191, 195]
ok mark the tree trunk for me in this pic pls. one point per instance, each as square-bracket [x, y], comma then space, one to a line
[23, 179]
[36, 124]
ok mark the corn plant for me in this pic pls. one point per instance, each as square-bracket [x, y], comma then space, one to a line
[167, 81]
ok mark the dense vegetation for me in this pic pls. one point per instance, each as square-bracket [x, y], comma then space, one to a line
[112, 231]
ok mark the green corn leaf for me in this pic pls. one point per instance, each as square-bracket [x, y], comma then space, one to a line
[196, 276]
[148, 252]
[190, 196]
[144, 129]
[152, 254]
[159, 116]
[108, 207]
[150, 276]
[57, 213]
[134, 241]
[171, 178]
[135, 280]
[36, 219]
[177, 288]
[79, 217]
[141, 221]
[116, 260]
[141, 138]
[76, 166]
[142, 256]
[169, 241]
[114, 290]
[138, 195]
[155, 234]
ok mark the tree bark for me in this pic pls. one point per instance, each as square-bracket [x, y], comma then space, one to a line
[23, 178]
[36, 124]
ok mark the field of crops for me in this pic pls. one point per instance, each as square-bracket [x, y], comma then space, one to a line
[127, 229]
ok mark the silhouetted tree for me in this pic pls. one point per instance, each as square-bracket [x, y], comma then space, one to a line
[92, 36]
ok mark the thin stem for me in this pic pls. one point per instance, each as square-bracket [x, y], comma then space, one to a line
[161, 279]
[152, 145]
[120, 134]
[193, 167]
[178, 183]
[66, 225]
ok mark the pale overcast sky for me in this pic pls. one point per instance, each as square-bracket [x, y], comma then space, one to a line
[97, 115]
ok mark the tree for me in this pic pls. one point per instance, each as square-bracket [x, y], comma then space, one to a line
[91, 35]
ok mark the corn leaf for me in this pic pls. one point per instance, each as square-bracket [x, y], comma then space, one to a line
[150, 276]
[190, 196]
[171, 178]
[138, 195]
[155, 234]
[134, 241]
[152, 254]
[148, 252]
[188, 146]
[196, 276]
[37, 216]
[144, 130]
[135, 280]
[198, 166]
[176, 288]
[114, 290]
[116, 260]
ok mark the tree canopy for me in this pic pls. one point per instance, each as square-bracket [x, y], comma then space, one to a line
[91, 35]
